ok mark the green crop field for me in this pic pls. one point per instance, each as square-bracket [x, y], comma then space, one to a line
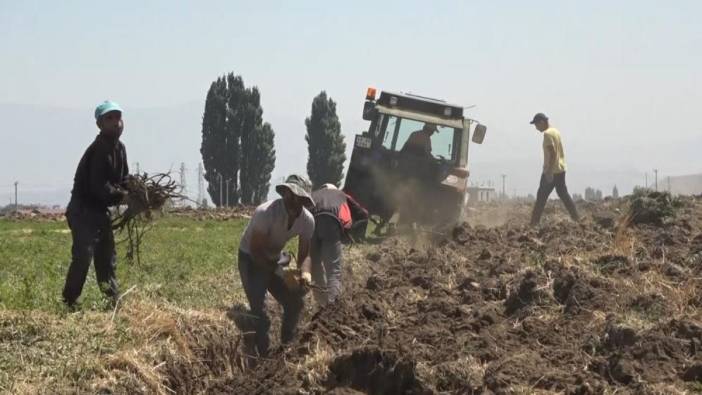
[184, 261]
[186, 265]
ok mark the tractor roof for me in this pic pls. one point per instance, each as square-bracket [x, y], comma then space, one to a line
[428, 105]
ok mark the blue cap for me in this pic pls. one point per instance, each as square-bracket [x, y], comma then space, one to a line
[106, 107]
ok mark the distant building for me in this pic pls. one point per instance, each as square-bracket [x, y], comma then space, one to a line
[615, 192]
[481, 194]
[682, 185]
[592, 194]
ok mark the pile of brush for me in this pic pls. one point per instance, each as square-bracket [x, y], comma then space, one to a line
[145, 194]
[655, 208]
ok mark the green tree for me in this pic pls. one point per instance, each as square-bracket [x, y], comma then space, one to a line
[258, 152]
[214, 137]
[262, 154]
[251, 121]
[325, 143]
[236, 144]
[236, 96]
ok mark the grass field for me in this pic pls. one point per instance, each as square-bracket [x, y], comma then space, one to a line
[184, 261]
[186, 265]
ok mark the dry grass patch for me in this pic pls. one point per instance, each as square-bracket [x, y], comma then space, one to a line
[315, 366]
[144, 348]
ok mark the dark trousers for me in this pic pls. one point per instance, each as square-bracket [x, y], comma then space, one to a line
[545, 189]
[257, 280]
[357, 233]
[93, 240]
[325, 253]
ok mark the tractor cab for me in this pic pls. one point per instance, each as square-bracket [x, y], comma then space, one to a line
[413, 160]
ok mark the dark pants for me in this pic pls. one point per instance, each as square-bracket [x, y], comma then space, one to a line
[93, 240]
[357, 233]
[545, 189]
[325, 253]
[257, 280]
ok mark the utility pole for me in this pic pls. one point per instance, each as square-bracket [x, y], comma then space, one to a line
[655, 171]
[646, 180]
[227, 183]
[137, 168]
[182, 178]
[504, 195]
[16, 205]
[200, 184]
[669, 190]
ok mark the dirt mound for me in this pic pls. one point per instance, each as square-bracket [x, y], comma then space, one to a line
[561, 308]
[54, 215]
[648, 207]
[527, 294]
[569, 308]
[219, 214]
[374, 371]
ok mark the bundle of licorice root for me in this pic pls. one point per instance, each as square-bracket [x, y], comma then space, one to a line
[145, 194]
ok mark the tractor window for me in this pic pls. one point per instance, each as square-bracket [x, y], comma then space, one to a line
[407, 127]
[389, 129]
[396, 133]
[442, 141]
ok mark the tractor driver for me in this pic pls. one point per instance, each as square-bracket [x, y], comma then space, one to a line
[419, 142]
[418, 174]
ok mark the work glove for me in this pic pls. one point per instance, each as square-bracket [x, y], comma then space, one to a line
[296, 281]
[306, 279]
[284, 258]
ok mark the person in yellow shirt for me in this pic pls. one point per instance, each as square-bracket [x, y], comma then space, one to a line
[554, 170]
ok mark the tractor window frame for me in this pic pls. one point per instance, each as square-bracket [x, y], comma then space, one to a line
[381, 134]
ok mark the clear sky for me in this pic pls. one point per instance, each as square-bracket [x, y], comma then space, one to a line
[620, 79]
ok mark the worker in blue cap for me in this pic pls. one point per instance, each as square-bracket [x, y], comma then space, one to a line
[97, 186]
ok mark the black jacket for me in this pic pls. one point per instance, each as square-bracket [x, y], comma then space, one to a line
[101, 170]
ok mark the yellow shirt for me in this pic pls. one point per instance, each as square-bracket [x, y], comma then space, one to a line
[552, 138]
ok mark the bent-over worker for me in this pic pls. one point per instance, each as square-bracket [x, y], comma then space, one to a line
[332, 215]
[272, 225]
